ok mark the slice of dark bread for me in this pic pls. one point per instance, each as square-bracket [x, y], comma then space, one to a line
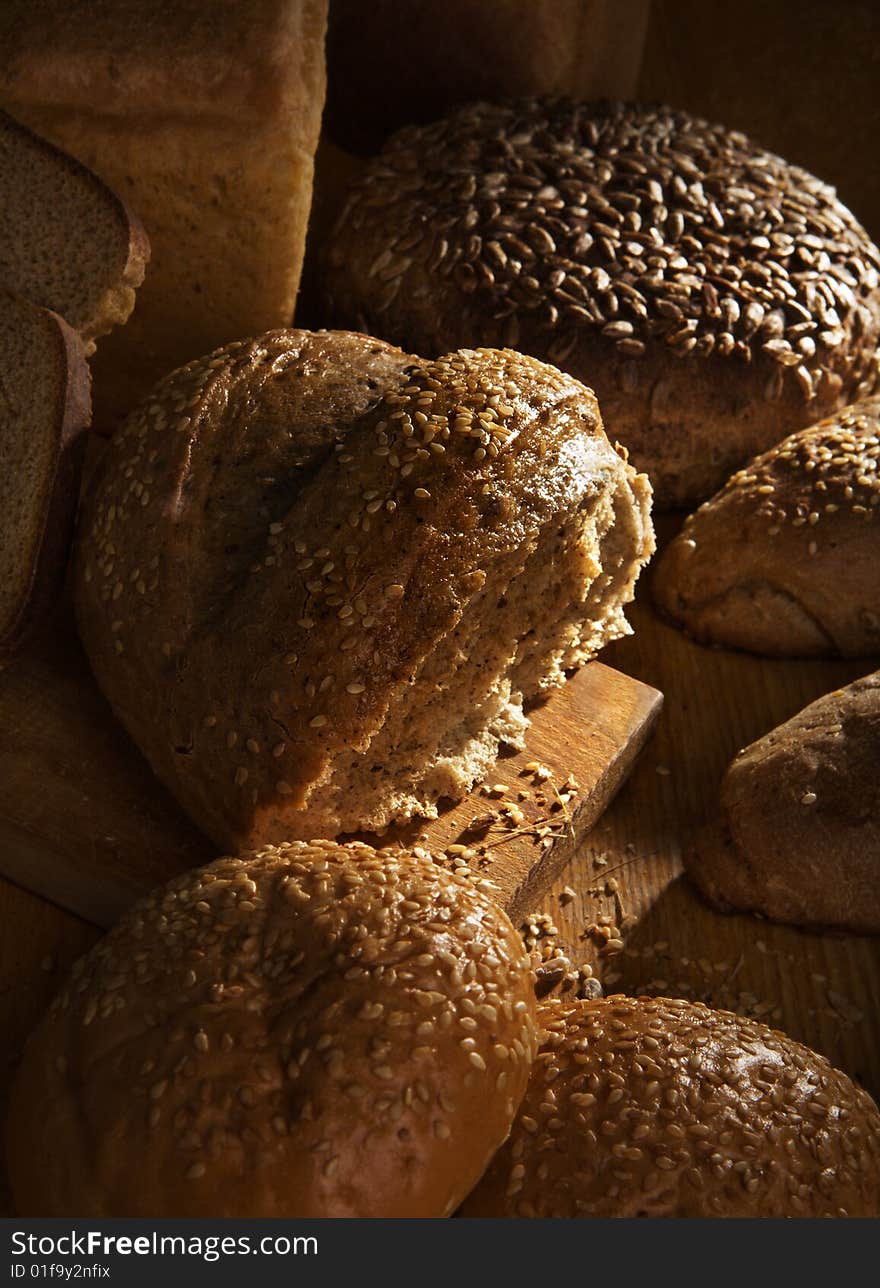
[45, 409]
[67, 241]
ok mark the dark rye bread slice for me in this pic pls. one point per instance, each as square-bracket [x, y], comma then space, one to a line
[798, 835]
[317, 577]
[67, 242]
[45, 409]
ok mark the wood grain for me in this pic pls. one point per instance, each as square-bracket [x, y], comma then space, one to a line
[84, 823]
[823, 989]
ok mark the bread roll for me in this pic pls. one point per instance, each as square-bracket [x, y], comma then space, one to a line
[44, 416]
[312, 1031]
[784, 560]
[391, 64]
[661, 1107]
[798, 838]
[715, 297]
[317, 577]
[205, 118]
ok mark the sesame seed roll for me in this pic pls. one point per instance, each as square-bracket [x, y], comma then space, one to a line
[311, 1031]
[317, 577]
[714, 297]
[785, 559]
[661, 1107]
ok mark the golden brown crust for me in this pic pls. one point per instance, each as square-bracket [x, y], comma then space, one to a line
[736, 297]
[798, 839]
[171, 56]
[205, 119]
[783, 561]
[662, 1107]
[311, 1031]
[282, 534]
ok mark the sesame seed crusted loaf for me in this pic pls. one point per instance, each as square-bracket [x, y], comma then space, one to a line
[661, 1107]
[798, 838]
[45, 410]
[310, 1031]
[715, 297]
[785, 560]
[317, 577]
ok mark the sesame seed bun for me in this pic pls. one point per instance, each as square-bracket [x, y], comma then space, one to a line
[312, 1031]
[715, 297]
[798, 837]
[799, 530]
[662, 1107]
[317, 578]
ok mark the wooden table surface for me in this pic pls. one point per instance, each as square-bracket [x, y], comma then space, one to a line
[822, 988]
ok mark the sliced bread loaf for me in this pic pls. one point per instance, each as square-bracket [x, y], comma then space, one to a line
[206, 118]
[67, 241]
[45, 408]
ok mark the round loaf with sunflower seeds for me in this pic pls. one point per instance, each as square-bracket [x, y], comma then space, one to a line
[317, 577]
[316, 1030]
[715, 297]
[785, 560]
[661, 1107]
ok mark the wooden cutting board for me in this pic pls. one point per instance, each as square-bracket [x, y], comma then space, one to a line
[84, 823]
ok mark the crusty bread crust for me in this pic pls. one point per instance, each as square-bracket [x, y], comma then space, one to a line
[669, 264]
[784, 560]
[798, 837]
[661, 1107]
[304, 575]
[312, 1031]
[44, 551]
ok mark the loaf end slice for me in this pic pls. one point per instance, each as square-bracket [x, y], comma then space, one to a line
[67, 241]
[44, 411]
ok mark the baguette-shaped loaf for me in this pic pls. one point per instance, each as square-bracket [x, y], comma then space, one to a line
[798, 838]
[785, 559]
[205, 117]
[317, 577]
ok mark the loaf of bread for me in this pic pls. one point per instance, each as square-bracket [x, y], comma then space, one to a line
[317, 577]
[205, 118]
[660, 1107]
[44, 413]
[798, 837]
[312, 1031]
[410, 63]
[715, 297]
[67, 242]
[785, 560]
